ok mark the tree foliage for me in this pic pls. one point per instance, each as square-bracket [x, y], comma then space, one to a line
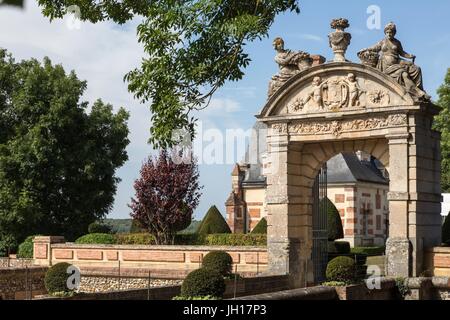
[167, 193]
[193, 47]
[57, 162]
[442, 124]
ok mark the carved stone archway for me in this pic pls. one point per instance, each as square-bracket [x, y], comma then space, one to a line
[341, 106]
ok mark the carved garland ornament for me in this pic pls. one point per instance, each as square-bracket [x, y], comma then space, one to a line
[336, 127]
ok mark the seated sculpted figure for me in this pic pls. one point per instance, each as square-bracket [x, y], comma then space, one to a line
[290, 63]
[390, 62]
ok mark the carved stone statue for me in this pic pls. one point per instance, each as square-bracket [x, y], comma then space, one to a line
[390, 61]
[339, 40]
[290, 63]
[315, 96]
[354, 90]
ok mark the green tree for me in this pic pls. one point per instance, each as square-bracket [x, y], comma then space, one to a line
[442, 124]
[213, 223]
[57, 162]
[193, 47]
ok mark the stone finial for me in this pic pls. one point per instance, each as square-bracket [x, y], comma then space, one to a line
[339, 39]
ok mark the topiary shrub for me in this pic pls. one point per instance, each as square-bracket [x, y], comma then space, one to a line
[335, 229]
[189, 239]
[135, 238]
[370, 251]
[97, 238]
[56, 278]
[236, 239]
[219, 261]
[446, 230]
[261, 227]
[213, 222]
[96, 227]
[25, 250]
[341, 247]
[203, 282]
[342, 269]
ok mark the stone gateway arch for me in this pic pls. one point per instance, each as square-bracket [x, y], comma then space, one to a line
[317, 110]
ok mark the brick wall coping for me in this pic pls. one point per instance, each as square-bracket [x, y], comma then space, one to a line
[439, 250]
[70, 245]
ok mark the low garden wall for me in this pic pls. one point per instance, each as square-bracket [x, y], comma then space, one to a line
[437, 261]
[22, 283]
[172, 262]
[241, 287]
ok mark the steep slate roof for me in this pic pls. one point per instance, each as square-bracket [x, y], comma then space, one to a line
[347, 168]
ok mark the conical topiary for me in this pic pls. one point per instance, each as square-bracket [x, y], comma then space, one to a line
[334, 227]
[446, 230]
[261, 227]
[213, 222]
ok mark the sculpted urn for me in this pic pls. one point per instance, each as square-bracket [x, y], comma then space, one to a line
[339, 39]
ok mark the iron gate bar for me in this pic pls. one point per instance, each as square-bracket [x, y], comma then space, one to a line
[320, 233]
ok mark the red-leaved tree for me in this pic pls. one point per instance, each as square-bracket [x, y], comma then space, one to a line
[167, 194]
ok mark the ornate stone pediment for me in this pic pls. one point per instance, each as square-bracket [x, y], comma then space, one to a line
[336, 87]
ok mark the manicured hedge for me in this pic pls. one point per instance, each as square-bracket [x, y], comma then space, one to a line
[370, 251]
[97, 238]
[135, 238]
[334, 227]
[342, 247]
[189, 239]
[235, 239]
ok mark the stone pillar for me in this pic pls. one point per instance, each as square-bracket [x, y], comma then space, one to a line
[414, 197]
[398, 251]
[42, 249]
[289, 225]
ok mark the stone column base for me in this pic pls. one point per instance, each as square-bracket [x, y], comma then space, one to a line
[398, 255]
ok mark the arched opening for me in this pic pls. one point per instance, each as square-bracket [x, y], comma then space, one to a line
[352, 187]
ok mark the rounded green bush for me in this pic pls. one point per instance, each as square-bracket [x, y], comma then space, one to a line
[203, 282]
[56, 278]
[219, 261]
[97, 238]
[25, 250]
[96, 227]
[342, 269]
[261, 227]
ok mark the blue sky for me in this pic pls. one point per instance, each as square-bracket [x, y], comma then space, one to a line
[103, 53]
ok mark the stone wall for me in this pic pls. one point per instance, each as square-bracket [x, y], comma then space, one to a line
[242, 287]
[15, 263]
[173, 262]
[437, 261]
[21, 283]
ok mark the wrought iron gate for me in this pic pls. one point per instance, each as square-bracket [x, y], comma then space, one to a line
[320, 234]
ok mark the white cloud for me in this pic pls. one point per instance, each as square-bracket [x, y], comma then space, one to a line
[309, 36]
[101, 54]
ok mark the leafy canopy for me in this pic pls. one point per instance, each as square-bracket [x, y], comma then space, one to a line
[442, 124]
[167, 193]
[193, 47]
[57, 161]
